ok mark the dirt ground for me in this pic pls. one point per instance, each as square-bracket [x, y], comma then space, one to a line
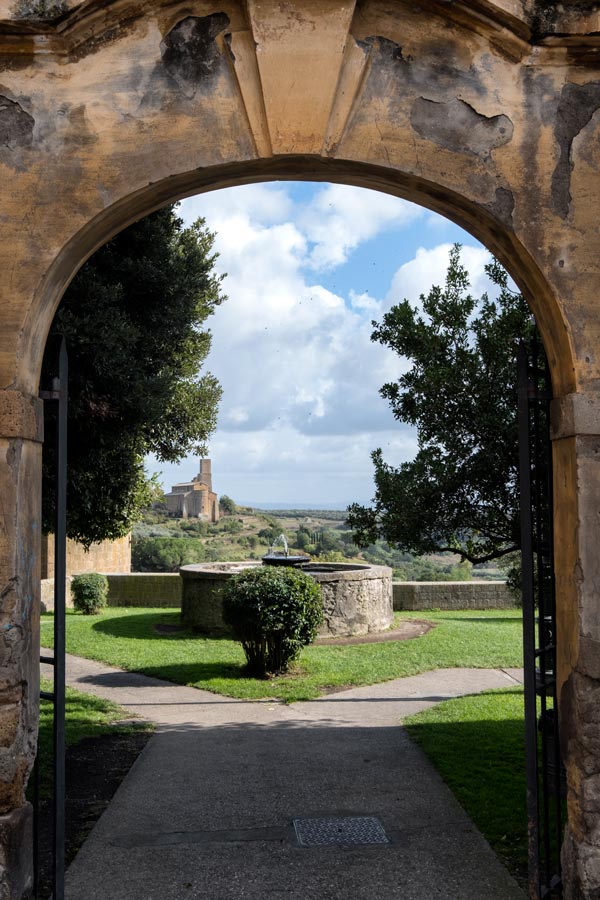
[95, 769]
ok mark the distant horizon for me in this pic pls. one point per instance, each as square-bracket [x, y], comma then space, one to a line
[289, 504]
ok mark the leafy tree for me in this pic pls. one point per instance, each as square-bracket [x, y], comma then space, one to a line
[269, 535]
[194, 526]
[162, 554]
[133, 319]
[302, 539]
[460, 493]
[228, 506]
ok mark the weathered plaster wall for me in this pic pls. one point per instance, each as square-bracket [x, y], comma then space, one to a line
[485, 111]
[462, 114]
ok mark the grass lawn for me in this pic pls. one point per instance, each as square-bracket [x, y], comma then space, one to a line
[86, 717]
[477, 744]
[127, 638]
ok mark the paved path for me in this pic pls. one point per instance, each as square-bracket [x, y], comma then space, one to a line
[206, 811]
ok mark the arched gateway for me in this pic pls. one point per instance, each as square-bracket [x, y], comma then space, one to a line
[483, 110]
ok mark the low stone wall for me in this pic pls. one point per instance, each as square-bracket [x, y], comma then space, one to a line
[131, 589]
[145, 589]
[452, 595]
[165, 589]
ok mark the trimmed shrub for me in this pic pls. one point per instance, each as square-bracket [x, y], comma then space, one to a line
[273, 612]
[89, 593]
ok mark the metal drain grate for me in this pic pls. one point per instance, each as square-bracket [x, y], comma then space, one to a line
[347, 830]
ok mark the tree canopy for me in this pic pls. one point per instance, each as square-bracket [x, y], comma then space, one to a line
[133, 319]
[460, 493]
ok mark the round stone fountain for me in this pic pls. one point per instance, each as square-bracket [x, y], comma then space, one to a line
[283, 557]
[357, 599]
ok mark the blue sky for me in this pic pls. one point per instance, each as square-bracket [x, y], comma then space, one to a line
[309, 266]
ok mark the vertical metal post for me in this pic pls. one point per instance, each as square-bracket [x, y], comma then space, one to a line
[528, 579]
[543, 764]
[59, 395]
[60, 576]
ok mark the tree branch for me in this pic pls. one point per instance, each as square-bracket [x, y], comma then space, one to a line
[478, 560]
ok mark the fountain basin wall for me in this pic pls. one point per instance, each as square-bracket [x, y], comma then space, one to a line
[356, 599]
[202, 594]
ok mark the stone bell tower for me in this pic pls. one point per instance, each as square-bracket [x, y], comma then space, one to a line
[204, 476]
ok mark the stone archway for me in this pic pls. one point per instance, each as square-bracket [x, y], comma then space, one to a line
[483, 110]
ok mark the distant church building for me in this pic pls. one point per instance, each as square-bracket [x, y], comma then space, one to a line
[195, 499]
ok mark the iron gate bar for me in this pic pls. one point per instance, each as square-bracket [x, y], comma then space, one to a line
[60, 580]
[544, 797]
[59, 394]
[541, 652]
[527, 577]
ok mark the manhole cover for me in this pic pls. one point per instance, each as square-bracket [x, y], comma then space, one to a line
[347, 830]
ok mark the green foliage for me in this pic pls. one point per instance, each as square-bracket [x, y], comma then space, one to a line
[332, 556]
[89, 592]
[231, 526]
[273, 612]
[228, 506]
[460, 493]
[420, 569]
[302, 539]
[194, 526]
[133, 319]
[165, 554]
[269, 535]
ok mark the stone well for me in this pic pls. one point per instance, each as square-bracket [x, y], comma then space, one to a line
[357, 599]
[202, 594]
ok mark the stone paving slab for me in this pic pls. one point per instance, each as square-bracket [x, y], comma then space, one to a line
[207, 809]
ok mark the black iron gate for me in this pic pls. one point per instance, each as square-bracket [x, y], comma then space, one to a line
[543, 765]
[58, 396]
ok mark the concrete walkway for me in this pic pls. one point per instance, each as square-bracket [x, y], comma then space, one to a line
[206, 811]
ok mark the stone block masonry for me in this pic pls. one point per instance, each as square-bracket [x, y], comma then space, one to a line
[145, 589]
[107, 556]
[154, 589]
[452, 595]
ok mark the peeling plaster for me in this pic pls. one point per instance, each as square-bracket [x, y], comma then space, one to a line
[458, 127]
[190, 53]
[16, 125]
[503, 206]
[577, 105]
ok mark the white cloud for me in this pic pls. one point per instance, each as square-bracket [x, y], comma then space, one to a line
[429, 267]
[365, 302]
[301, 410]
[341, 217]
[267, 203]
[277, 465]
